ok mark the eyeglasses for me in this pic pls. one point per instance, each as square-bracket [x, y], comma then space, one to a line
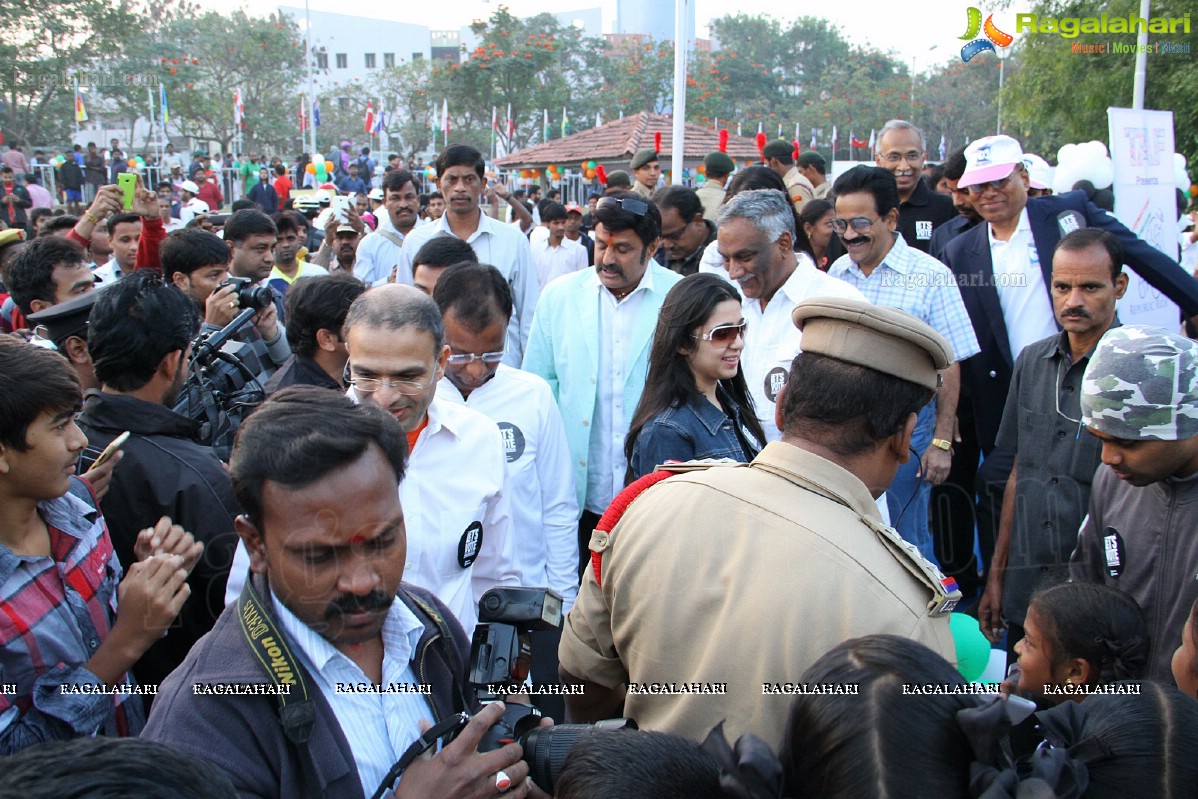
[725, 334]
[630, 204]
[469, 358]
[911, 156]
[997, 185]
[369, 385]
[861, 224]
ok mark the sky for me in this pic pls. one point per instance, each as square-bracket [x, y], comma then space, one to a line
[873, 23]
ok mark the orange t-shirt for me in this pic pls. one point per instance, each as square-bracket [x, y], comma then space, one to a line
[414, 435]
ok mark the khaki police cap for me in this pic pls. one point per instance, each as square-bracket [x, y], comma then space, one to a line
[886, 339]
[646, 156]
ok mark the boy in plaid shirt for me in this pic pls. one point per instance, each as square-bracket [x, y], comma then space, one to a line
[64, 650]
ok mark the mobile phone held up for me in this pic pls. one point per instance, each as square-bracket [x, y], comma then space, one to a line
[128, 183]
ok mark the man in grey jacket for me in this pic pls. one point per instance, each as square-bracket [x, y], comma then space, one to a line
[1140, 398]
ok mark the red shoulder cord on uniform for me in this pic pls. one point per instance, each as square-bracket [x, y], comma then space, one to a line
[616, 509]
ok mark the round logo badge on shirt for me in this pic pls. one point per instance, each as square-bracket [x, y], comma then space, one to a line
[513, 441]
[471, 543]
[774, 382]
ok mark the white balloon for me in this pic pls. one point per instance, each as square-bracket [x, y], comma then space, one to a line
[1066, 154]
[1097, 148]
[1102, 173]
[1181, 178]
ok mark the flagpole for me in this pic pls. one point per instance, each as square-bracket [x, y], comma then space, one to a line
[679, 110]
[311, 91]
[76, 109]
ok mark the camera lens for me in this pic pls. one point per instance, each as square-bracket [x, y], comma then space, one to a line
[546, 748]
[254, 297]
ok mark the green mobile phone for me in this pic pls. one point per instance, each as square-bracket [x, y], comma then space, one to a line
[128, 182]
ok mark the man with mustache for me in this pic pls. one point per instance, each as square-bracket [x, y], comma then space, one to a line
[902, 149]
[590, 341]
[1055, 455]
[369, 658]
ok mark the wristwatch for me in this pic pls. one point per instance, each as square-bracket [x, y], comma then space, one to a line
[942, 443]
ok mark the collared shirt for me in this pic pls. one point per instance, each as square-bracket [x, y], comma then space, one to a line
[109, 273]
[280, 282]
[711, 194]
[922, 214]
[798, 187]
[772, 340]
[504, 248]
[694, 430]
[378, 727]
[918, 284]
[1025, 305]
[540, 477]
[553, 262]
[378, 254]
[617, 320]
[57, 610]
[1057, 456]
[823, 190]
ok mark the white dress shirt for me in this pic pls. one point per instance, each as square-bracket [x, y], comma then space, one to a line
[608, 465]
[454, 483]
[543, 499]
[378, 727]
[504, 248]
[1026, 308]
[553, 262]
[377, 254]
[772, 340]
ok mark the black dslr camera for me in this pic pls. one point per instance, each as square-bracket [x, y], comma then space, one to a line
[249, 295]
[500, 657]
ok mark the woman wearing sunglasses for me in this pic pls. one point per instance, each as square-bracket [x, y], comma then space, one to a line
[695, 403]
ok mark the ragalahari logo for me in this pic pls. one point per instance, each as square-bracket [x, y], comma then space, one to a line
[993, 36]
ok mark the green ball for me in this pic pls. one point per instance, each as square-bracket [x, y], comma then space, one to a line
[973, 650]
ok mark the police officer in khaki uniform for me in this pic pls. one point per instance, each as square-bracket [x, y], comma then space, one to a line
[646, 168]
[779, 156]
[719, 167]
[718, 587]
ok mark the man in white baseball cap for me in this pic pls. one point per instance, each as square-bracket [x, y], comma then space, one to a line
[1039, 175]
[190, 205]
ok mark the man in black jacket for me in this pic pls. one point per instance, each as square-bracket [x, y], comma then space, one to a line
[139, 338]
[326, 609]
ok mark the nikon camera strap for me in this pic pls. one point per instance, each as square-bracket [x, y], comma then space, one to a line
[297, 708]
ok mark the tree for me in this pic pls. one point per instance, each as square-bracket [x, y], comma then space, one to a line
[45, 45]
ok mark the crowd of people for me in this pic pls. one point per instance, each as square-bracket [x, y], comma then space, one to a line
[764, 444]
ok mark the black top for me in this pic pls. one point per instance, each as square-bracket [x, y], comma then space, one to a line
[923, 213]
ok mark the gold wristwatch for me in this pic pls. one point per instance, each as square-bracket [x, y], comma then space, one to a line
[942, 443]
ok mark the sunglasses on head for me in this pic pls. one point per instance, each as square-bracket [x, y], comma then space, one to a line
[629, 204]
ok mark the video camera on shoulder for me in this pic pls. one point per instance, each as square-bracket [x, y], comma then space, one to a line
[249, 295]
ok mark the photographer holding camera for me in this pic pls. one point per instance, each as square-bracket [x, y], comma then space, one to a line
[139, 338]
[366, 658]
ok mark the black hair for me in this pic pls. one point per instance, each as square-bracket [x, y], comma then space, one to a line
[301, 221]
[163, 184]
[33, 380]
[133, 325]
[553, 194]
[1097, 623]
[285, 222]
[615, 218]
[243, 205]
[250, 222]
[280, 169]
[670, 382]
[814, 211]
[553, 211]
[872, 180]
[324, 431]
[31, 177]
[762, 177]
[396, 179]
[477, 294]
[31, 273]
[935, 176]
[436, 195]
[122, 218]
[187, 250]
[6, 168]
[318, 303]
[954, 165]
[460, 155]
[1087, 237]
[1141, 741]
[880, 741]
[682, 199]
[846, 407]
[443, 250]
[637, 764]
[104, 767]
[58, 222]
[36, 214]
[391, 310]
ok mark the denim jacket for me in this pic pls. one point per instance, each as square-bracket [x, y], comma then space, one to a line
[692, 431]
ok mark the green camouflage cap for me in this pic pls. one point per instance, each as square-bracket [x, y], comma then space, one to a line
[1142, 384]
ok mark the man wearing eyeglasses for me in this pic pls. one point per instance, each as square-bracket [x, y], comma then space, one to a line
[890, 272]
[902, 149]
[476, 303]
[1004, 270]
[1055, 455]
[590, 341]
[461, 174]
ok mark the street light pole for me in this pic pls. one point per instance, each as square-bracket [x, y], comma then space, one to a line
[1002, 53]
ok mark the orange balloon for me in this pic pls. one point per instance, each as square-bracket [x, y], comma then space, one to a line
[310, 169]
[132, 163]
[328, 167]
